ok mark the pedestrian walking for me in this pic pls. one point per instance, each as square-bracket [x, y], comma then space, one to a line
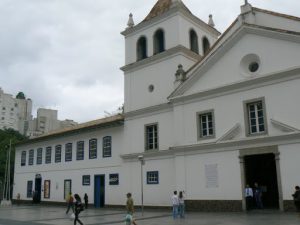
[175, 203]
[296, 197]
[70, 202]
[78, 209]
[181, 204]
[86, 200]
[129, 219]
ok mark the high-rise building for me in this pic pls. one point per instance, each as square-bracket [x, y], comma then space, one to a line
[16, 112]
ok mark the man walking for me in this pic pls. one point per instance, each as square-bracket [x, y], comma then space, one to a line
[70, 202]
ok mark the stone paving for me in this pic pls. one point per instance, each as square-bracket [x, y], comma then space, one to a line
[49, 215]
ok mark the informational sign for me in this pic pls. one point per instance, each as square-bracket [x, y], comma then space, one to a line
[211, 175]
[114, 179]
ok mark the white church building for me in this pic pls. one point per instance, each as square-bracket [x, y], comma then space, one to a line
[205, 113]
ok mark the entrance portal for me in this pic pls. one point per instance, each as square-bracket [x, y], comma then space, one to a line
[99, 191]
[262, 169]
[38, 189]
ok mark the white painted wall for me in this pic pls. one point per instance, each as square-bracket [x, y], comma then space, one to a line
[275, 55]
[228, 111]
[229, 176]
[289, 165]
[161, 75]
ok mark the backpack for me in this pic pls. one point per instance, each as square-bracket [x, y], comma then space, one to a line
[80, 207]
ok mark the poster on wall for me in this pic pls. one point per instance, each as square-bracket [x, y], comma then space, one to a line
[211, 175]
[47, 189]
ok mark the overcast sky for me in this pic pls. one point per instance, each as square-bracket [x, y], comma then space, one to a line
[66, 54]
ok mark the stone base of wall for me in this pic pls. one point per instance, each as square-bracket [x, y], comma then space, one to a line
[289, 206]
[214, 205]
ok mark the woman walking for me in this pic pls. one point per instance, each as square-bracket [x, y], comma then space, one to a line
[78, 209]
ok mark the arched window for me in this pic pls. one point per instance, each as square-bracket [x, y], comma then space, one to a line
[141, 48]
[205, 45]
[194, 42]
[159, 41]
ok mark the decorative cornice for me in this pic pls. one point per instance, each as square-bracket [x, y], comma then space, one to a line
[269, 79]
[153, 109]
[213, 147]
[229, 135]
[161, 56]
[284, 127]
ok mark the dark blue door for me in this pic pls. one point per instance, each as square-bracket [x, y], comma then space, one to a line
[37, 190]
[99, 191]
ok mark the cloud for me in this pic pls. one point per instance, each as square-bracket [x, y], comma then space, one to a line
[66, 54]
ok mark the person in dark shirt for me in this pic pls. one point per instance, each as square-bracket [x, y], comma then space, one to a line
[296, 197]
[78, 209]
[257, 196]
[86, 200]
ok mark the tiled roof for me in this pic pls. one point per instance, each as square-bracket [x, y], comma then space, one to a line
[104, 122]
[277, 14]
[160, 8]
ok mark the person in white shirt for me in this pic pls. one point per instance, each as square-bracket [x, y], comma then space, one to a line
[249, 197]
[175, 203]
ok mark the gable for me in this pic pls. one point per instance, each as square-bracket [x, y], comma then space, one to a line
[273, 51]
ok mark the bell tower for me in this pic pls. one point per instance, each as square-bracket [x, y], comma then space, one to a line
[170, 35]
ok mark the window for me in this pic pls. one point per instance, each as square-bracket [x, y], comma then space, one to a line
[206, 124]
[114, 179]
[80, 150]
[47, 185]
[256, 119]
[205, 45]
[68, 153]
[29, 188]
[39, 156]
[48, 155]
[151, 137]
[141, 48]
[31, 157]
[58, 153]
[107, 146]
[152, 177]
[86, 180]
[23, 158]
[194, 41]
[159, 42]
[93, 149]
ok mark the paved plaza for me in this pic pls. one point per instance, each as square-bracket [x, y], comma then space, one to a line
[42, 215]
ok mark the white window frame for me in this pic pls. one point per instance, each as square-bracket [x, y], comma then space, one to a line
[151, 137]
[80, 150]
[248, 117]
[107, 143]
[209, 127]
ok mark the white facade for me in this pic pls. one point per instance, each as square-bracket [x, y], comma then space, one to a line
[231, 120]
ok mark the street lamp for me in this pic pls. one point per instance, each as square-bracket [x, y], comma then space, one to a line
[141, 159]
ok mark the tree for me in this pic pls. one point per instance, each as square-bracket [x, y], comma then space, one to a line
[5, 137]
